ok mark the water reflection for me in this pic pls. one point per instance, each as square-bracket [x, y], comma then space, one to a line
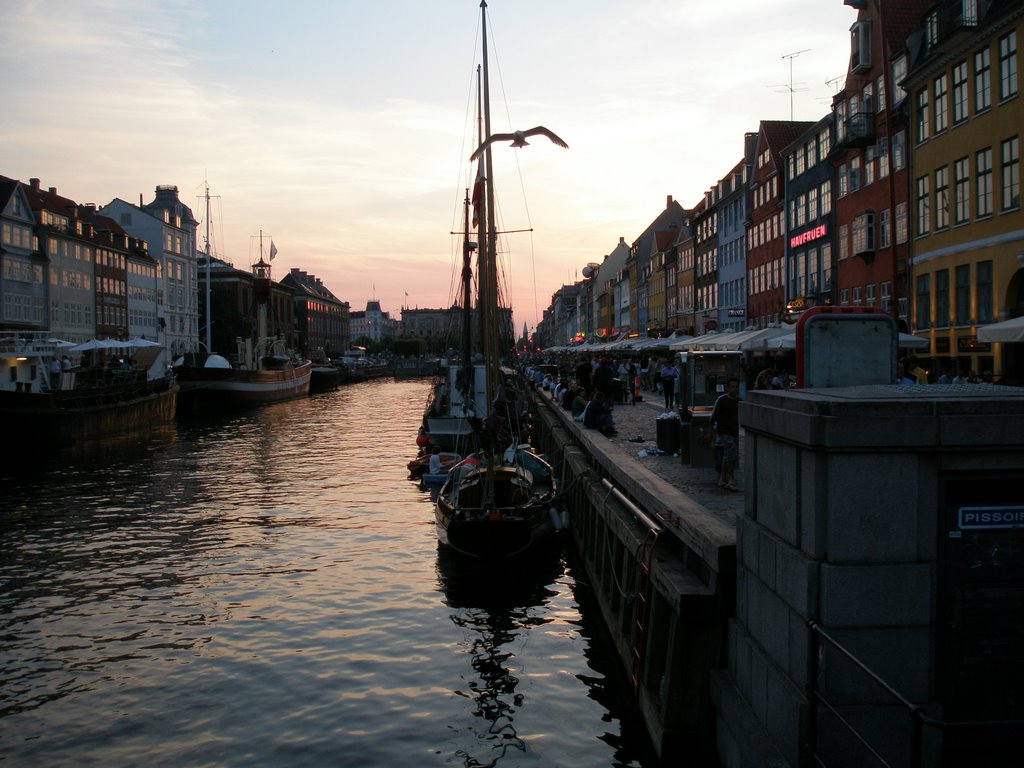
[494, 606]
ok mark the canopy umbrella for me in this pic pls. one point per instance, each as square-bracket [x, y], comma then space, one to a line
[788, 341]
[759, 339]
[92, 344]
[138, 343]
[1008, 331]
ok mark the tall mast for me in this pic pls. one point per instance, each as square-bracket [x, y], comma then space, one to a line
[488, 291]
[209, 349]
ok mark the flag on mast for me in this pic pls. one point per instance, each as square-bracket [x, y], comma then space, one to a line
[478, 192]
[273, 250]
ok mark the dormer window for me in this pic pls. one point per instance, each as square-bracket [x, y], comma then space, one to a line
[860, 46]
[931, 29]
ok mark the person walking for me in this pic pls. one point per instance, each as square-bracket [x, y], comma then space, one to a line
[725, 427]
[668, 376]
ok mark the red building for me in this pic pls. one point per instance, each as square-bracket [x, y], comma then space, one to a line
[870, 155]
[766, 243]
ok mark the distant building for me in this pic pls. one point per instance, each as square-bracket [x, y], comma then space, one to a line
[170, 230]
[373, 323]
[321, 318]
[233, 309]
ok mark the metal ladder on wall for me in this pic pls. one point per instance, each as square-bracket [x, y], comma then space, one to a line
[641, 605]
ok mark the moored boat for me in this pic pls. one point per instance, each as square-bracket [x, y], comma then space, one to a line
[46, 403]
[263, 370]
[501, 501]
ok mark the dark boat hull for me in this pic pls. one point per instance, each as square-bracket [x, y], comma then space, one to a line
[83, 415]
[211, 388]
[494, 515]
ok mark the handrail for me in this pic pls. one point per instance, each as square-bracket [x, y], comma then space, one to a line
[917, 714]
[638, 513]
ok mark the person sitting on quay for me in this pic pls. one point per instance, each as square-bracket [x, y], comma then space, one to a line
[579, 404]
[598, 415]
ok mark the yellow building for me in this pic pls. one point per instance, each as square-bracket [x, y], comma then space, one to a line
[967, 227]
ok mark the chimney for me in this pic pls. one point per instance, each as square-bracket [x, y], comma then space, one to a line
[53, 190]
[34, 183]
[668, 201]
[140, 199]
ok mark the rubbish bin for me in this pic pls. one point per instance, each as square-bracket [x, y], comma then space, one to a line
[667, 434]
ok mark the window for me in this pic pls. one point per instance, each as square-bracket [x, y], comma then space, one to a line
[941, 105]
[921, 103]
[883, 157]
[961, 192]
[942, 197]
[982, 84]
[883, 229]
[923, 302]
[902, 229]
[844, 247]
[984, 301]
[899, 74]
[860, 46]
[886, 294]
[923, 206]
[960, 92]
[854, 174]
[962, 296]
[856, 295]
[864, 233]
[844, 297]
[840, 120]
[942, 298]
[824, 143]
[1008, 66]
[880, 101]
[1010, 154]
[869, 166]
[983, 181]
[931, 29]
[843, 179]
[826, 198]
[899, 151]
[812, 204]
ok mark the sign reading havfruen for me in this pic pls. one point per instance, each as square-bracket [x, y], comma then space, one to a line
[806, 237]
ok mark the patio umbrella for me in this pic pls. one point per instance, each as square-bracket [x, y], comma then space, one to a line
[86, 346]
[1008, 331]
[139, 343]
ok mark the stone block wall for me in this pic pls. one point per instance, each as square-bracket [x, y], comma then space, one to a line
[842, 526]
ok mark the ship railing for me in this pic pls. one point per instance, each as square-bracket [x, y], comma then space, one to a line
[929, 736]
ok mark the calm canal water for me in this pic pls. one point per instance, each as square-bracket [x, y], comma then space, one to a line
[267, 590]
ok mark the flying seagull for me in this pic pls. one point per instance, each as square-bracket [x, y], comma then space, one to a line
[518, 139]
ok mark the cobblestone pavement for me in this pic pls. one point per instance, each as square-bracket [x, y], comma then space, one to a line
[636, 441]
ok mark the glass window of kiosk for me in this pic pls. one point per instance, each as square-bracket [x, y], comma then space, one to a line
[707, 374]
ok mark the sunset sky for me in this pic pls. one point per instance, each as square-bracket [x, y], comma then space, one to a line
[343, 129]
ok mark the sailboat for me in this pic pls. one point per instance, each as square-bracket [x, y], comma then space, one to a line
[501, 500]
[263, 371]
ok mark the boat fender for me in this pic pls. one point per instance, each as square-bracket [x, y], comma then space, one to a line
[556, 519]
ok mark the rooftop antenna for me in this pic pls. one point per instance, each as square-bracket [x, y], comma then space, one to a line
[791, 86]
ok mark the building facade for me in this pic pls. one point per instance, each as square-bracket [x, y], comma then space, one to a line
[321, 318]
[967, 267]
[169, 228]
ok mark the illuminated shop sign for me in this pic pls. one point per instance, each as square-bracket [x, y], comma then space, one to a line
[982, 518]
[805, 237]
